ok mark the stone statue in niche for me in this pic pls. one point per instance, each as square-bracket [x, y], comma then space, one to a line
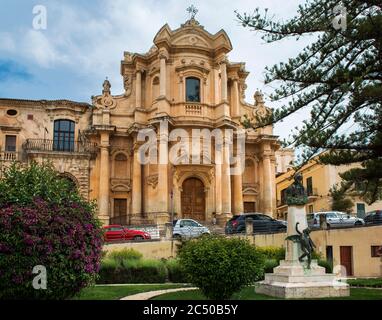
[106, 87]
[127, 80]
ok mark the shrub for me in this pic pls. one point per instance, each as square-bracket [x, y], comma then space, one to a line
[270, 264]
[132, 271]
[221, 266]
[175, 272]
[326, 264]
[273, 253]
[125, 254]
[43, 221]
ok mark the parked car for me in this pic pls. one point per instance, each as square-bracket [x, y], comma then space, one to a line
[261, 223]
[373, 217]
[116, 232]
[188, 228]
[334, 219]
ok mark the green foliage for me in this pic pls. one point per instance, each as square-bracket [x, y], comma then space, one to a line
[373, 283]
[336, 79]
[221, 266]
[273, 253]
[22, 184]
[340, 200]
[176, 273]
[325, 264]
[132, 271]
[270, 264]
[125, 254]
[43, 221]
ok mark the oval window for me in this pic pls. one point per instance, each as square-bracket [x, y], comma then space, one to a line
[11, 112]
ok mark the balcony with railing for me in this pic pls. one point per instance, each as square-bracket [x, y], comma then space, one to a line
[9, 156]
[55, 146]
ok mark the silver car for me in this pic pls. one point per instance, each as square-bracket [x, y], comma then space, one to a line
[188, 228]
[334, 219]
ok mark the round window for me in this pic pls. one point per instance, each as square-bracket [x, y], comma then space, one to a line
[11, 112]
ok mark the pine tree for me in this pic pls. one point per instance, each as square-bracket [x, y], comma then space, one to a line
[340, 200]
[337, 79]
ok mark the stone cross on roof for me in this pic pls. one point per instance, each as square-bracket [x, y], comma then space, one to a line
[192, 11]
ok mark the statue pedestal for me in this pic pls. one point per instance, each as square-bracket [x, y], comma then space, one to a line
[292, 278]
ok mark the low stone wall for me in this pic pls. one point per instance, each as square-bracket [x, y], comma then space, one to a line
[149, 249]
[360, 239]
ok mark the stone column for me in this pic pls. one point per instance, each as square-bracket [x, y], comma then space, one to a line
[163, 76]
[235, 98]
[267, 185]
[137, 184]
[226, 178]
[218, 180]
[216, 85]
[104, 179]
[238, 205]
[163, 173]
[138, 89]
[296, 214]
[223, 70]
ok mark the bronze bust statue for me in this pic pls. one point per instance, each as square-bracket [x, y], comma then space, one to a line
[295, 193]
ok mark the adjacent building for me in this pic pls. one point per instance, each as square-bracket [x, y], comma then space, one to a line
[318, 179]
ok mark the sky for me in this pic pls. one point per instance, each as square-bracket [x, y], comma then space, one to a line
[84, 42]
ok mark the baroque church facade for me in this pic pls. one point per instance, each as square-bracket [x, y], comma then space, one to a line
[184, 80]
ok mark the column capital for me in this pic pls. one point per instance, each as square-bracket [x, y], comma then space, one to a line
[163, 54]
[140, 70]
[105, 147]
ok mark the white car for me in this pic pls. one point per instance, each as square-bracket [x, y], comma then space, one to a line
[188, 228]
[334, 219]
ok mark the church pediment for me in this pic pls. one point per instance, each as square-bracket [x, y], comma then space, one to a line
[191, 40]
[192, 34]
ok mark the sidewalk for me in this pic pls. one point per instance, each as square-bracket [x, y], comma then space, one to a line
[152, 294]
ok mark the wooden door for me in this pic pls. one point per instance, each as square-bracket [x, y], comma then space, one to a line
[346, 258]
[249, 207]
[193, 199]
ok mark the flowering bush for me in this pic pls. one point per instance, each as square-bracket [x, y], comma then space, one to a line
[43, 221]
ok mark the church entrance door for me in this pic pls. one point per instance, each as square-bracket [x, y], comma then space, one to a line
[193, 199]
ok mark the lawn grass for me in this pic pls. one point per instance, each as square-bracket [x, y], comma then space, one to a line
[249, 293]
[118, 292]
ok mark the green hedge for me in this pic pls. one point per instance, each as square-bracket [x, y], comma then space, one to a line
[273, 255]
[132, 271]
[176, 273]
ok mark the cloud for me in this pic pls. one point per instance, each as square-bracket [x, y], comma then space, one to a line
[6, 42]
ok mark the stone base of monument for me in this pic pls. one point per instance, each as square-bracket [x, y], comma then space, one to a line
[292, 280]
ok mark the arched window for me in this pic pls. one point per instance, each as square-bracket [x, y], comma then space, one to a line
[192, 90]
[63, 139]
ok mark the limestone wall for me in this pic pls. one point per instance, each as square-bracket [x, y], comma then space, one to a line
[150, 250]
